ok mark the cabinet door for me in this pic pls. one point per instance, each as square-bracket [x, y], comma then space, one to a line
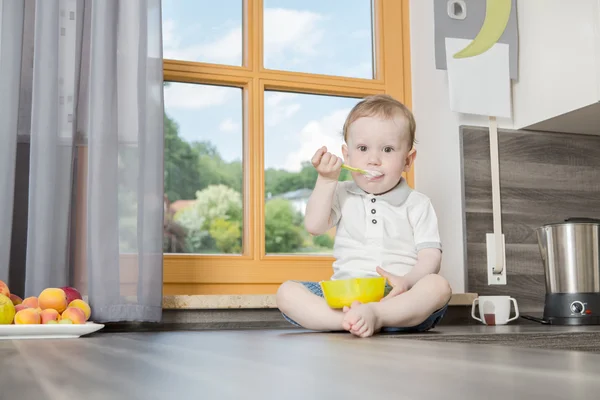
[559, 56]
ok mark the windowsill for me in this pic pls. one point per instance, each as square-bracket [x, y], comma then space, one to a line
[220, 302]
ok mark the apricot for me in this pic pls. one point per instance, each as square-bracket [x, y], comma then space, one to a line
[65, 321]
[16, 300]
[48, 315]
[52, 321]
[74, 314]
[4, 289]
[27, 316]
[20, 307]
[87, 311]
[31, 302]
[53, 298]
[7, 310]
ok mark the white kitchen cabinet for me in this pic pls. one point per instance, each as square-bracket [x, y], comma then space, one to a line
[559, 66]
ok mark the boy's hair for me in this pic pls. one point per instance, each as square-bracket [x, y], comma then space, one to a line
[381, 105]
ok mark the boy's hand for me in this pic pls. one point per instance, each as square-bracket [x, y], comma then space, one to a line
[398, 283]
[329, 166]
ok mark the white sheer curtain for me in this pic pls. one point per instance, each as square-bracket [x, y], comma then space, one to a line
[81, 81]
[11, 17]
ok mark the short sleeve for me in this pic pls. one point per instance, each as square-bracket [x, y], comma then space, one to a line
[425, 226]
[336, 207]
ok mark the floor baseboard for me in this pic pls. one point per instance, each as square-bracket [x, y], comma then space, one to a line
[244, 319]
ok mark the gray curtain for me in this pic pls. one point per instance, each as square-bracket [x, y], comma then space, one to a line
[81, 109]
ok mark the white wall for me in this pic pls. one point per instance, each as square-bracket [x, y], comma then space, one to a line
[559, 55]
[438, 164]
[559, 58]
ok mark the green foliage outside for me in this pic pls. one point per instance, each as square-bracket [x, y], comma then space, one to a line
[279, 181]
[283, 232]
[214, 222]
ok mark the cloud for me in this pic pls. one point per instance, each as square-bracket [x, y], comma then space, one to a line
[228, 125]
[273, 99]
[363, 70]
[227, 49]
[284, 112]
[278, 107]
[290, 32]
[191, 96]
[289, 35]
[325, 132]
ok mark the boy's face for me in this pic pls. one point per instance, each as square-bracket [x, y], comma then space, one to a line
[382, 145]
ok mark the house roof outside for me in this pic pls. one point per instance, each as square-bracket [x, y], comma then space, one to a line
[181, 204]
[300, 194]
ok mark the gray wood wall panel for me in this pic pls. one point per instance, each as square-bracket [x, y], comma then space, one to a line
[544, 177]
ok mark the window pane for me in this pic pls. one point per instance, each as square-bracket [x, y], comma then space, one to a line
[203, 169]
[203, 30]
[296, 125]
[332, 37]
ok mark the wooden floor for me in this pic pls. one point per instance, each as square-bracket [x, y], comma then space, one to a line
[293, 365]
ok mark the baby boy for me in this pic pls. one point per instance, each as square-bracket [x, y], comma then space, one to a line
[384, 228]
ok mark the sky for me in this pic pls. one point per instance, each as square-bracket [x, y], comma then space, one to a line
[315, 36]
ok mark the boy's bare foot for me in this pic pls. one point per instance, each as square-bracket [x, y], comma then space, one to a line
[346, 323]
[361, 320]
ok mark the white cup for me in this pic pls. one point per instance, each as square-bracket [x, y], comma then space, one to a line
[494, 310]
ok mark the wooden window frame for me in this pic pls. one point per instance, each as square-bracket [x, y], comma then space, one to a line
[255, 272]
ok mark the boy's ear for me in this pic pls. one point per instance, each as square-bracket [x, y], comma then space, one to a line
[345, 152]
[410, 159]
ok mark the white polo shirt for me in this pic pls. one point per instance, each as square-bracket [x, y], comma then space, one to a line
[380, 230]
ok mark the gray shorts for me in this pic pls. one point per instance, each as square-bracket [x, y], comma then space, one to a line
[424, 326]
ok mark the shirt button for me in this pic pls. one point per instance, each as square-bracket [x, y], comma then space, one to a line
[373, 211]
[374, 221]
[372, 200]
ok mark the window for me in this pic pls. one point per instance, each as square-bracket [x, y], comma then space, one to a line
[333, 37]
[201, 30]
[296, 125]
[252, 89]
[203, 169]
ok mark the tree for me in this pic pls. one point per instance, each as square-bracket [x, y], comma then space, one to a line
[235, 171]
[278, 181]
[272, 178]
[181, 161]
[214, 221]
[197, 239]
[282, 228]
[218, 201]
[324, 241]
[214, 170]
[174, 234]
[227, 235]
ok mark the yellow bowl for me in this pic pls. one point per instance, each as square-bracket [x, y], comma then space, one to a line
[344, 292]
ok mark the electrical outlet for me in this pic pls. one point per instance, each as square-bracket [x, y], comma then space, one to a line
[493, 277]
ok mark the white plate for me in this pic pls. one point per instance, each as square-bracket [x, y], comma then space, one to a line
[52, 331]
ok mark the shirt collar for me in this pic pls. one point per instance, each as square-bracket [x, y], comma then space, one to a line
[395, 197]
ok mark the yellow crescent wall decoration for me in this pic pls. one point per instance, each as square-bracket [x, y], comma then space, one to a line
[497, 13]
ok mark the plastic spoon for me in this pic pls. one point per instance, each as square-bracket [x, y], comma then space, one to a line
[369, 173]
